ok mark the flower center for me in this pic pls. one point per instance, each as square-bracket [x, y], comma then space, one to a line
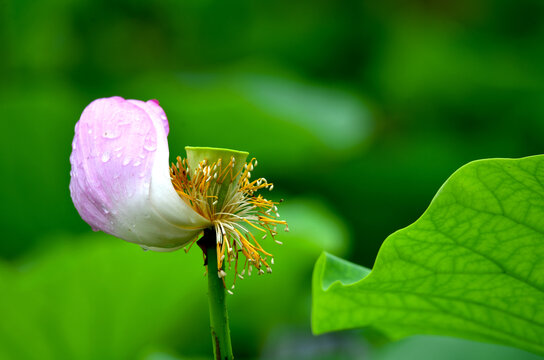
[222, 191]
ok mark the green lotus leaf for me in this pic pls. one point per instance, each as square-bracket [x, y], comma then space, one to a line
[472, 266]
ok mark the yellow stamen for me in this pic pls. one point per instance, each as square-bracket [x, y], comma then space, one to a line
[200, 189]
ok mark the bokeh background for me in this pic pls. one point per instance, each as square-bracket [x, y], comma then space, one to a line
[357, 110]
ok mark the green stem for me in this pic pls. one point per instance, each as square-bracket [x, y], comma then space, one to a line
[219, 320]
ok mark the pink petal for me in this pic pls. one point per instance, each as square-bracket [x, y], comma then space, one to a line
[120, 149]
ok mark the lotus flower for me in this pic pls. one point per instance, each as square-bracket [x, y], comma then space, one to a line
[122, 184]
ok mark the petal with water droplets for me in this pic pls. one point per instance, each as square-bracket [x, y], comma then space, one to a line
[138, 202]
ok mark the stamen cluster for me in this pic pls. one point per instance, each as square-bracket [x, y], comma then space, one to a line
[227, 198]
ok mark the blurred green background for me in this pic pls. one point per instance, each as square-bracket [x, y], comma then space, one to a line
[357, 111]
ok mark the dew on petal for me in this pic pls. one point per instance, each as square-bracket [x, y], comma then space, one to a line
[126, 161]
[150, 146]
[150, 143]
[105, 157]
[111, 134]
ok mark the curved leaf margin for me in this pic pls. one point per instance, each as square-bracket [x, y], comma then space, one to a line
[471, 266]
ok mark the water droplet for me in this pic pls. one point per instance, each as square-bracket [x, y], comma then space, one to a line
[111, 134]
[126, 161]
[150, 141]
[150, 146]
[105, 157]
[136, 163]
[90, 131]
